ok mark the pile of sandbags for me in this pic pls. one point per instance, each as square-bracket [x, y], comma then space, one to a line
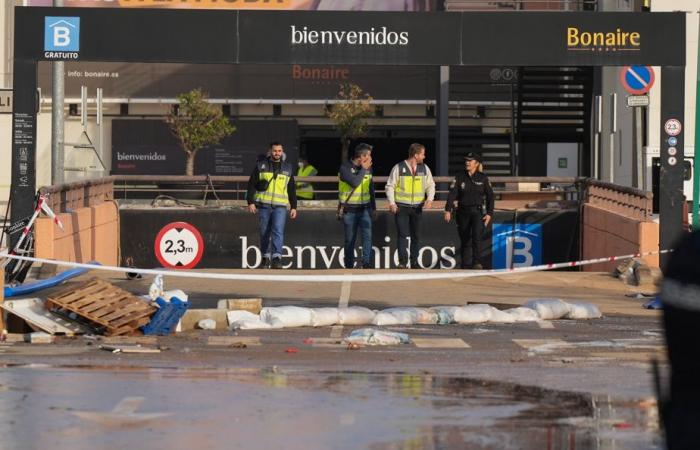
[297, 316]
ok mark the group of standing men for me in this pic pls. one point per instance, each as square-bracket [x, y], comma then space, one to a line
[272, 194]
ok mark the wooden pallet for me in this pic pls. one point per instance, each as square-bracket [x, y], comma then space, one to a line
[106, 306]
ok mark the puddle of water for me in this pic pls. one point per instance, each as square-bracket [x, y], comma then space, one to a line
[269, 408]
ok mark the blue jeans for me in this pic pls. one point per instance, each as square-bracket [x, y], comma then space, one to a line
[353, 220]
[271, 220]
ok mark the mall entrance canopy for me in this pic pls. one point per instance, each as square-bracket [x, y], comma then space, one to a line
[438, 39]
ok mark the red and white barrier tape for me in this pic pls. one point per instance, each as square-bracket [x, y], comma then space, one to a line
[417, 275]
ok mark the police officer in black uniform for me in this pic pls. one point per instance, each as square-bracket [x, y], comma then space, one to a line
[471, 189]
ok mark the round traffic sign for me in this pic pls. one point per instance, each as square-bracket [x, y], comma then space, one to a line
[672, 141]
[671, 160]
[637, 80]
[672, 151]
[179, 245]
[673, 127]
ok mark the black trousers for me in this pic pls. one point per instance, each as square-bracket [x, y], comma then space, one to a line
[471, 230]
[408, 225]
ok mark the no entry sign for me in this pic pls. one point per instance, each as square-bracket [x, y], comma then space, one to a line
[637, 80]
[179, 245]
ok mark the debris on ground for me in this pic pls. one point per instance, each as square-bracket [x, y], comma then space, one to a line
[129, 349]
[636, 272]
[253, 305]
[106, 307]
[206, 324]
[166, 319]
[655, 303]
[39, 337]
[374, 336]
[33, 311]
[234, 341]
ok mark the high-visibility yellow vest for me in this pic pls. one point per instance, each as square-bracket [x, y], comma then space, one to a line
[276, 192]
[360, 196]
[306, 190]
[411, 189]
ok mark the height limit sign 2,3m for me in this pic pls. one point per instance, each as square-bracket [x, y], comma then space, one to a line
[179, 245]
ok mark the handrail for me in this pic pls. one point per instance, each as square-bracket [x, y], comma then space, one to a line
[628, 201]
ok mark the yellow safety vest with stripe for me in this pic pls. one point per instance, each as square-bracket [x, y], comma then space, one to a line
[276, 192]
[410, 189]
[306, 190]
[360, 196]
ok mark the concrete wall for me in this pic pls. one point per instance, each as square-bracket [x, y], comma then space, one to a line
[89, 234]
[606, 233]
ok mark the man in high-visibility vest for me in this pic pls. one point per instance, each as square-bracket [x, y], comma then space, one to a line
[409, 189]
[357, 205]
[271, 191]
[305, 191]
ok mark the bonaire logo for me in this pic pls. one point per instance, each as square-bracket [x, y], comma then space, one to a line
[61, 37]
[602, 41]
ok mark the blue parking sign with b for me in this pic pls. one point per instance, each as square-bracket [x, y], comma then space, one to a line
[62, 34]
[516, 246]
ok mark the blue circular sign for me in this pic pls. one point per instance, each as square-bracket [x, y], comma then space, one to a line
[672, 141]
[637, 80]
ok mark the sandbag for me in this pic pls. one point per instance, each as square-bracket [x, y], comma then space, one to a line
[287, 316]
[373, 336]
[549, 308]
[473, 314]
[522, 314]
[498, 316]
[583, 311]
[396, 316]
[355, 315]
[324, 317]
[445, 314]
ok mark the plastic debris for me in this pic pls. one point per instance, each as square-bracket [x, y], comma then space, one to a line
[654, 304]
[549, 308]
[156, 288]
[292, 350]
[373, 336]
[166, 318]
[207, 324]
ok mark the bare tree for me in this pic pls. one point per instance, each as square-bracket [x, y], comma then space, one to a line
[197, 124]
[349, 115]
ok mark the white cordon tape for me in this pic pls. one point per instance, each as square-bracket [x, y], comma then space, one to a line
[336, 278]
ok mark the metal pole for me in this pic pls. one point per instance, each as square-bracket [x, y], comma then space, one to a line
[513, 161]
[597, 140]
[613, 131]
[637, 156]
[443, 120]
[57, 119]
[696, 158]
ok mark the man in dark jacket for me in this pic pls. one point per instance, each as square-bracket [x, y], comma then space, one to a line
[471, 189]
[271, 191]
[356, 197]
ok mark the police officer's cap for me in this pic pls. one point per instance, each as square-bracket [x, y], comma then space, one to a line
[471, 156]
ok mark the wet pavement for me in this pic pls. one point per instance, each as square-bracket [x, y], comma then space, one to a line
[87, 407]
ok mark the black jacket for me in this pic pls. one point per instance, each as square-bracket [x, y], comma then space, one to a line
[470, 191]
[276, 167]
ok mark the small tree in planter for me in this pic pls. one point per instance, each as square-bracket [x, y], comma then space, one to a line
[350, 115]
[197, 124]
